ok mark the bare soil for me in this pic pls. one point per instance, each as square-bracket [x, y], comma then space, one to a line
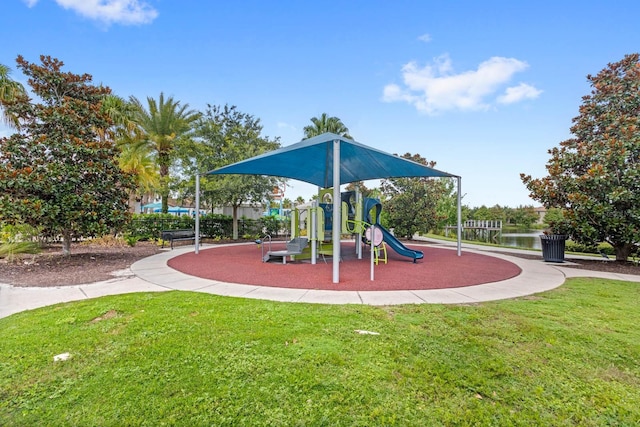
[94, 263]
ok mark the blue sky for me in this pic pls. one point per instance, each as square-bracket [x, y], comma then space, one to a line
[484, 88]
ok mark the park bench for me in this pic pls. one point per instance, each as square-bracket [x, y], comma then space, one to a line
[176, 235]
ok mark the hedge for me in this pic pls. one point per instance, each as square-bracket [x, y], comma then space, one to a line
[215, 226]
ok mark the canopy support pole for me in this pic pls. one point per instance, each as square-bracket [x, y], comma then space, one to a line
[459, 179]
[197, 249]
[314, 231]
[335, 233]
[359, 221]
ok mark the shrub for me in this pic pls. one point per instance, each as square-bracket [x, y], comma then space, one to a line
[604, 248]
[107, 241]
[18, 239]
[12, 249]
[214, 226]
[131, 240]
[150, 226]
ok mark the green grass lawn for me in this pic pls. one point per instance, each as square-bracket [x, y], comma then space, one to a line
[566, 357]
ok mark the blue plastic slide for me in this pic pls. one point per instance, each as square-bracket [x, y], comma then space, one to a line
[397, 245]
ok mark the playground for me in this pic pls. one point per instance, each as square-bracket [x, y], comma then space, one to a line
[371, 257]
[441, 268]
[337, 160]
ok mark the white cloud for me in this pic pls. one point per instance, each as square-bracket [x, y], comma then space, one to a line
[518, 93]
[435, 87]
[125, 12]
[425, 38]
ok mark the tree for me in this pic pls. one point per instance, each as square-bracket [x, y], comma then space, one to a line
[360, 187]
[411, 202]
[10, 90]
[57, 172]
[122, 115]
[481, 213]
[224, 135]
[553, 216]
[595, 175]
[164, 123]
[498, 213]
[324, 124]
[523, 216]
[447, 206]
[333, 124]
[135, 159]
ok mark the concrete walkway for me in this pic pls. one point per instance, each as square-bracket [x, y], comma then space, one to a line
[153, 275]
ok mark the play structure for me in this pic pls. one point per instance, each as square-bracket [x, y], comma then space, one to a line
[295, 247]
[312, 229]
[330, 160]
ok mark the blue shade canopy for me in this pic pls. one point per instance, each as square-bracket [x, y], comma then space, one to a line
[174, 209]
[311, 160]
[152, 206]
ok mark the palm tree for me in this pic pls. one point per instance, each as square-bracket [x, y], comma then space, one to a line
[136, 159]
[9, 91]
[324, 124]
[122, 115]
[163, 124]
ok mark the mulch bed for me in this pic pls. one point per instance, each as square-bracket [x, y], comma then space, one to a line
[86, 264]
[595, 264]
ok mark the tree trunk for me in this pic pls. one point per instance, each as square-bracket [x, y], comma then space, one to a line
[66, 243]
[134, 204]
[235, 222]
[163, 160]
[623, 250]
[165, 203]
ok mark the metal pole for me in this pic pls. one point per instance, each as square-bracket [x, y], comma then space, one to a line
[459, 215]
[314, 231]
[197, 250]
[359, 221]
[372, 229]
[335, 233]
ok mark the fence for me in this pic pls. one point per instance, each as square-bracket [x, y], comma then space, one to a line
[150, 227]
[482, 230]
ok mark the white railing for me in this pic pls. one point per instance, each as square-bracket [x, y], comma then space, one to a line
[486, 224]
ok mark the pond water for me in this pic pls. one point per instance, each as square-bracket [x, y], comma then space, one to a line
[529, 239]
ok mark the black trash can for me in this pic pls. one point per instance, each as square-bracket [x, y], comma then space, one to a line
[553, 247]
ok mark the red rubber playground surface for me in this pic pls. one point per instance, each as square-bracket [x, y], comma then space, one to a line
[439, 269]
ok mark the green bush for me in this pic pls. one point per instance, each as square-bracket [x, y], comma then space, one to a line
[150, 226]
[10, 250]
[18, 233]
[251, 228]
[18, 239]
[270, 225]
[131, 240]
[605, 248]
[214, 226]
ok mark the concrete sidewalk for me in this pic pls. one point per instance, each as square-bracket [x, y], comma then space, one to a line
[153, 275]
